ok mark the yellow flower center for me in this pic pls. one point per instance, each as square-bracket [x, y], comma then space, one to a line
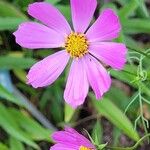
[76, 45]
[84, 148]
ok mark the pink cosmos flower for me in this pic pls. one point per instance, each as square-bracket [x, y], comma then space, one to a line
[70, 139]
[85, 46]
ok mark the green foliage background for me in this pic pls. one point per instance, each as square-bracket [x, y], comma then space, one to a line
[28, 116]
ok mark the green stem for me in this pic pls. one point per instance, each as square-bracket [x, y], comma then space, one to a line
[130, 148]
[139, 51]
[141, 111]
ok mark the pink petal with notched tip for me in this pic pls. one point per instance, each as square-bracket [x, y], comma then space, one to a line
[35, 35]
[77, 85]
[46, 71]
[50, 16]
[106, 27]
[113, 54]
[82, 13]
[71, 139]
[98, 77]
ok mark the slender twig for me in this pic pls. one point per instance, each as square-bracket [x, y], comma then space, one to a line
[136, 121]
[135, 97]
[141, 76]
[139, 51]
[136, 58]
[140, 72]
[95, 116]
[146, 101]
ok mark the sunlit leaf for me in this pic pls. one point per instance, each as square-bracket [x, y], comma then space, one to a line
[69, 111]
[15, 144]
[6, 95]
[134, 26]
[8, 10]
[31, 126]
[128, 9]
[3, 147]
[9, 23]
[21, 74]
[9, 62]
[97, 133]
[53, 1]
[10, 126]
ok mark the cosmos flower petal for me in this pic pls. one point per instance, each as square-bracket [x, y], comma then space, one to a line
[62, 147]
[72, 139]
[113, 54]
[50, 16]
[82, 13]
[34, 35]
[46, 71]
[106, 27]
[71, 130]
[77, 85]
[98, 77]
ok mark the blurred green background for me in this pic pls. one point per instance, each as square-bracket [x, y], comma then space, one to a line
[28, 116]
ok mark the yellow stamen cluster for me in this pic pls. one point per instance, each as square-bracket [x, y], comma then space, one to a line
[84, 148]
[76, 45]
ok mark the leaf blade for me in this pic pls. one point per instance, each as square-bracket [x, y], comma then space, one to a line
[116, 116]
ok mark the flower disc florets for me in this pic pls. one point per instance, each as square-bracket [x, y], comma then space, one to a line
[84, 148]
[76, 45]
